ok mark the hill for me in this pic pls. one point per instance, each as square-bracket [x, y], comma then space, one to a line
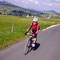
[50, 12]
[8, 8]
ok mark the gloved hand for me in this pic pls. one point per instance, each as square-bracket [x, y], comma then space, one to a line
[25, 33]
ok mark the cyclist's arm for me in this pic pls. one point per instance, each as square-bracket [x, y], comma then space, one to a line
[38, 28]
[29, 28]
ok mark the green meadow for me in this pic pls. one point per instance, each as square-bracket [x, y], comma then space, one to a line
[21, 24]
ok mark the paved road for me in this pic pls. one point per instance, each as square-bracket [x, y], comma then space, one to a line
[49, 48]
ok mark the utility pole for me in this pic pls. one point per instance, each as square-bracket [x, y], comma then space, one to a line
[12, 26]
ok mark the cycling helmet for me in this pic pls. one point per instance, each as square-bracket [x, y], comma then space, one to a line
[35, 19]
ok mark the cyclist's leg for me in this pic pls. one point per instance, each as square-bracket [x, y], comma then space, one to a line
[34, 42]
[35, 39]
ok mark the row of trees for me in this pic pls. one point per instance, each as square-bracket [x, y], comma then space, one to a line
[20, 13]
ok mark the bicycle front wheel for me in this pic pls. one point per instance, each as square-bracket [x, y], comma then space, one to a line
[27, 47]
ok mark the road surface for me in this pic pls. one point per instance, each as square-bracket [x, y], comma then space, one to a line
[48, 49]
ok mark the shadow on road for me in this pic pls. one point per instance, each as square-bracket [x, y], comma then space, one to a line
[37, 46]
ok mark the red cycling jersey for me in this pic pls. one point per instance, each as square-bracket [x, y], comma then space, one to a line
[35, 28]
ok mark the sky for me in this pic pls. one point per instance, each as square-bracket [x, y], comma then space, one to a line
[40, 5]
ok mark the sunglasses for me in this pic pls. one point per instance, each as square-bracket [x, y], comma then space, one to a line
[34, 22]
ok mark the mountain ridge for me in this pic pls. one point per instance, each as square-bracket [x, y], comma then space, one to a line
[11, 7]
[50, 12]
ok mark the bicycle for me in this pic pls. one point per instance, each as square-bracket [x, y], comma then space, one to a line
[29, 45]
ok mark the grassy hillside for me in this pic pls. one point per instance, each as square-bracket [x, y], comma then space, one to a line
[20, 26]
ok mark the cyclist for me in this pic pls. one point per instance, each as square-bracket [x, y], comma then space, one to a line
[35, 29]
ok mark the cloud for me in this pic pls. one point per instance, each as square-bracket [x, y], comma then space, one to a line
[1, 0]
[57, 0]
[28, 1]
[50, 4]
[53, 3]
